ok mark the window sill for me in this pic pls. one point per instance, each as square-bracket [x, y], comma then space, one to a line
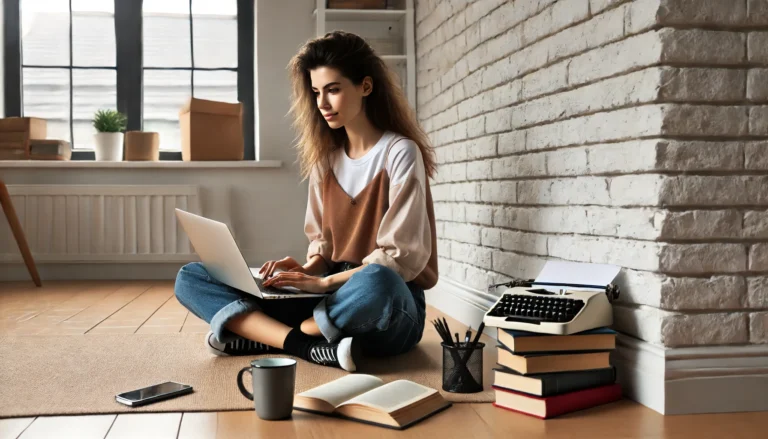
[165, 164]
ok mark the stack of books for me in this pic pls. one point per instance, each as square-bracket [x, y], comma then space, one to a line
[546, 375]
[15, 136]
[49, 149]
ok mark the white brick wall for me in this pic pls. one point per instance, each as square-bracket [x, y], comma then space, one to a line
[632, 132]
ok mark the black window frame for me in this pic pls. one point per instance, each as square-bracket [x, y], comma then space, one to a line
[129, 65]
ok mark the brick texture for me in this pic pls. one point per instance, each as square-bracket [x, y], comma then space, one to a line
[702, 12]
[630, 132]
[756, 224]
[716, 292]
[705, 329]
[758, 257]
[758, 121]
[703, 258]
[758, 327]
[703, 224]
[757, 292]
[756, 155]
[757, 47]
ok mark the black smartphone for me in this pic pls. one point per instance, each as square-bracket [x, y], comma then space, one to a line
[151, 394]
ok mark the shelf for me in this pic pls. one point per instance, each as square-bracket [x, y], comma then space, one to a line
[362, 14]
[174, 164]
[394, 57]
[387, 31]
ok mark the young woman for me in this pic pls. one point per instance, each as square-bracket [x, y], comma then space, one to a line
[369, 220]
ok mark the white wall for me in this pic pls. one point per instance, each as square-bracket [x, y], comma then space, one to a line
[266, 206]
[281, 28]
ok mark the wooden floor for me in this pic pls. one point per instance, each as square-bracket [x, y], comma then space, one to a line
[85, 307]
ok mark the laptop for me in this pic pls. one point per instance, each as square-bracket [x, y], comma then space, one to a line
[221, 257]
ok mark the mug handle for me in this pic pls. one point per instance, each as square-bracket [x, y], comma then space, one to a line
[240, 385]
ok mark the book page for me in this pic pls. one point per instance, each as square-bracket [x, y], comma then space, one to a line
[344, 388]
[393, 396]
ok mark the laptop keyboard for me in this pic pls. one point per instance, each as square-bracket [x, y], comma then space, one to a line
[271, 289]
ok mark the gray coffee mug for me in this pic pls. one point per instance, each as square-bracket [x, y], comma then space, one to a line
[274, 380]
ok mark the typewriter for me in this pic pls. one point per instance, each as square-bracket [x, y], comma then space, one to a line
[526, 306]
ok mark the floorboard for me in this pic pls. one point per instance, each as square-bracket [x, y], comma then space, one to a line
[198, 425]
[91, 317]
[73, 304]
[132, 316]
[13, 427]
[145, 425]
[81, 427]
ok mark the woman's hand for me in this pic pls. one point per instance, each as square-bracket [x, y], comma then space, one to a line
[286, 264]
[302, 281]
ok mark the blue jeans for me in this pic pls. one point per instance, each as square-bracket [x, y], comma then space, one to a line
[375, 305]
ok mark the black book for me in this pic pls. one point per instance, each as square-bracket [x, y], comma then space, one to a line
[550, 384]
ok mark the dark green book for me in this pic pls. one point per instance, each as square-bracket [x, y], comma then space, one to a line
[550, 384]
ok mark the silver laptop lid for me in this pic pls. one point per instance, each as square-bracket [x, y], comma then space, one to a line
[214, 243]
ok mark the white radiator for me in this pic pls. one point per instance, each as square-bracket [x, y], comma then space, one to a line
[101, 223]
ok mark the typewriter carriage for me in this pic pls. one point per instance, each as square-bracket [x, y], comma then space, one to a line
[612, 291]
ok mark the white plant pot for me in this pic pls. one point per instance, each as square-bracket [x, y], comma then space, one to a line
[108, 147]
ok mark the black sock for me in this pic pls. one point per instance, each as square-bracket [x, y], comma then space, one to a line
[298, 343]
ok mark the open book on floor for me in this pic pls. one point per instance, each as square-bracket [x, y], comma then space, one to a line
[366, 398]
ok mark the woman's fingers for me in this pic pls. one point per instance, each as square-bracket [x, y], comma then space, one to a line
[283, 264]
[270, 269]
[265, 269]
[287, 263]
[289, 282]
[285, 275]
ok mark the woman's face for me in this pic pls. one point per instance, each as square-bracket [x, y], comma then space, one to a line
[338, 99]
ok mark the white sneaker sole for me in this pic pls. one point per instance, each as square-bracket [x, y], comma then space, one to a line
[345, 355]
[211, 345]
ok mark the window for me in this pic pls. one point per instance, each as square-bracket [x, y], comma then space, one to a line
[172, 71]
[65, 59]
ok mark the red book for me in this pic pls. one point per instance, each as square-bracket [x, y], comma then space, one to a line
[551, 406]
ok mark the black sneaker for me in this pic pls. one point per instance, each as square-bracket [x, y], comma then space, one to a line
[241, 346]
[343, 354]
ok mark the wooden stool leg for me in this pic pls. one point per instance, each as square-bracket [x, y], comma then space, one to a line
[18, 233]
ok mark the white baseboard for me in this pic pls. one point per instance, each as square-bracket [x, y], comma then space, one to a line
[708, 379]
[464, 304]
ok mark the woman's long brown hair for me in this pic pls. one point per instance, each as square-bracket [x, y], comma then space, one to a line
[386, 107]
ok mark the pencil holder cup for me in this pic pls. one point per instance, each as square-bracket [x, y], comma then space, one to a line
[461, 377]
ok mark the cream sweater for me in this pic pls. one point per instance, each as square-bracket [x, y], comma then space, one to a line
[404, 237]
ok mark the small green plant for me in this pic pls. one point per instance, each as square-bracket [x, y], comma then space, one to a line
[109, 121]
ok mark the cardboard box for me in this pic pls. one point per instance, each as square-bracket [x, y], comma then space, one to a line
[211, 130]
[15, 134]
[36, 128]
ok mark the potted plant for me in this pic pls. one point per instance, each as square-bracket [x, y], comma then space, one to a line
[108, 139]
